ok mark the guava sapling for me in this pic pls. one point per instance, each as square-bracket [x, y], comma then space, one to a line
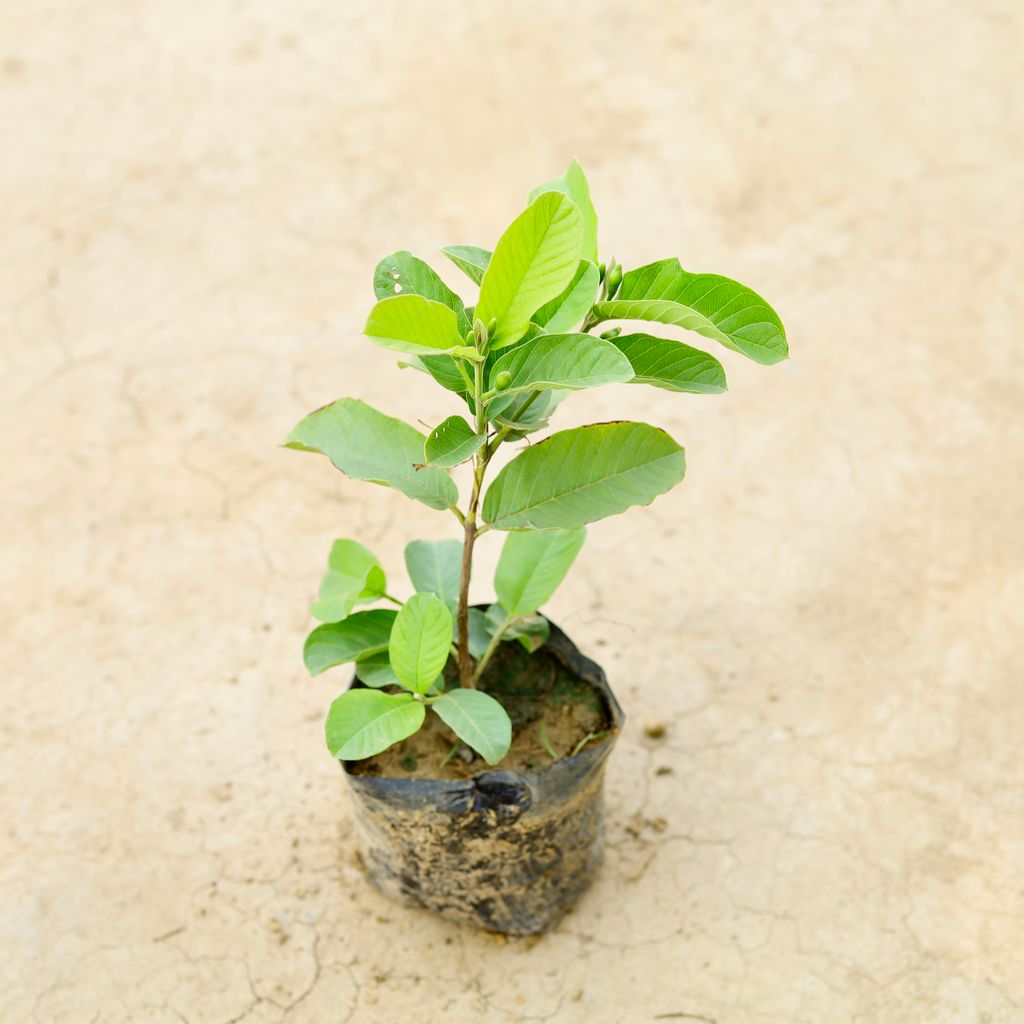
[507, 363]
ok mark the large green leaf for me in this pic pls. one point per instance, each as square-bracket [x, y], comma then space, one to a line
[478, 720]
[367, 445]
[358, 636]
[362, 723]
[671, 365]
[451, 442]
[574, 184]
[401, 273]
[714, 306]
[568, 309]
[532, 565]
[533, 262]
[470, 259]
[435, 567]
[562, 361]
[420, 641]
[579, 476]
[353, 575]
[411, 323]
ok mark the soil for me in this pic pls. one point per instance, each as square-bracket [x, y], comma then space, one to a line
[554, 713]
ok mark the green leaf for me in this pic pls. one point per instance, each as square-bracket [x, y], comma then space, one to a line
[411, 323]
[362, 723]
[445, 371]
[359, 636]
[513, 411]
[420, 641]
[401, 273]
[714, 306]
[671, 365]
[478, 720]
[376, 671]
[532, 631]
[479, 632]
[435, 567]
[568, 309]
[574, 184]
[533, 263]
[562, 361]
[532, 565]
[353, 575]
[442, 368]
[471, 260]
[452, 442]
[367, 445]
[578, 476]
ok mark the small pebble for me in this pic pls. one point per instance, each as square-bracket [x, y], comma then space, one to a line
[663, 770]
[654, 730]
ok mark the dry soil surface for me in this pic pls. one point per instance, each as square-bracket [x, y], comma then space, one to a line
[827, 615]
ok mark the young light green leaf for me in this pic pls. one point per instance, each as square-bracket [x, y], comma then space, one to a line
[470, 259]
[353, 575]
[401, 273]
[451, 442]
[376, 671]
[478, 720]
[578, 476]
[532, 565]
[532, 631]
[420, 641]
[434, 567]
[562, 361]
[568, 309]
[362, 723]
[533, 262]
[714, 306]
[574, 184]
[359, 636]
[367, 445]
[671, 365]
[411, 323]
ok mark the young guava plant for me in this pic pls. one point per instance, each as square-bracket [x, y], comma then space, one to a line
[507, 363]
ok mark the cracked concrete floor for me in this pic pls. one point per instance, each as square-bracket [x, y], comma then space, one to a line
[827, 613]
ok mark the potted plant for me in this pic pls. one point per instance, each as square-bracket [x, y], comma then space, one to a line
[474, 738]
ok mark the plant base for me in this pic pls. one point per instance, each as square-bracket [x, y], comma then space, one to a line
[509, 851]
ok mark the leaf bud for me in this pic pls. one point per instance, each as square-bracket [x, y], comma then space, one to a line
[614, 280]
[613, 333]
[480, 335]
[502, 380]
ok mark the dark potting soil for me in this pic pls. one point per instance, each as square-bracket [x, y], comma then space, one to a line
[553, 712]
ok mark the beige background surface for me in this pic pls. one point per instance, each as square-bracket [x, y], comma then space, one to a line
[828, 613]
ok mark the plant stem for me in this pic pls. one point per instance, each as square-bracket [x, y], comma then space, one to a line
[483, 456]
